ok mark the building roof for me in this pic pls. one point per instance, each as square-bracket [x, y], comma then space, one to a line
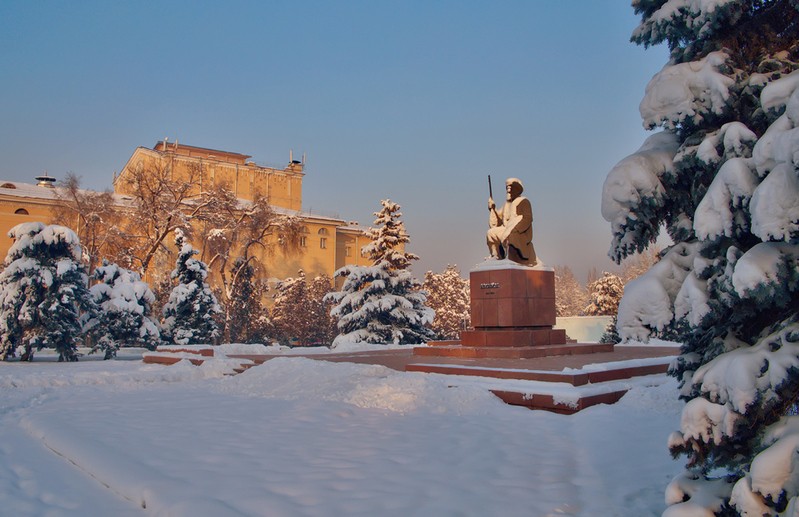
[201, 152]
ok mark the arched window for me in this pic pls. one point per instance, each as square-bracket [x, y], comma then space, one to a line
[322, 231]
[21, 211]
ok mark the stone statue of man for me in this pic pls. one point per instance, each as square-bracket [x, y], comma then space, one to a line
[510, 233]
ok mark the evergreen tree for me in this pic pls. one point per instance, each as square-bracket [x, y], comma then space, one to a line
[322, 325]
[190, 312]
[611, 334]
[382, 303]
[125, 311]
[290, 311]
[604, 294]
[43, 292]
[247, 318]
[722, 178]
[300, 315]
[448, 296]
[570, 297]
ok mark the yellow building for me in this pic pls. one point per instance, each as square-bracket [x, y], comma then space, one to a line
[327, 243]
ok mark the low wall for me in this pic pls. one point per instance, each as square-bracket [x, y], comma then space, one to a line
[584, 329]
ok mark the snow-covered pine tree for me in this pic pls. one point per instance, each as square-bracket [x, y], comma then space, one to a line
[448, 296]
[191, 311]
[382, 303]
[44, 292]
[722, 177]
[604, 295]
[125, 311]
[570, 297]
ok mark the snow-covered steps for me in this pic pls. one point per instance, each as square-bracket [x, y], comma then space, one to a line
[196, 355]
[575, 378]
[511, 352]
[566, 391]
[556, 405]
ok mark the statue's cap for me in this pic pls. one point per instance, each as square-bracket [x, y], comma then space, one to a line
[515, 181]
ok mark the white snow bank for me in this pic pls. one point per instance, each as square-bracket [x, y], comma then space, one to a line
[302, 437]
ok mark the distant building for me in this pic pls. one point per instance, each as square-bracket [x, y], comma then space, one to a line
[327, 243]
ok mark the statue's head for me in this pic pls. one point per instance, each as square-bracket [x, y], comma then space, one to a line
[514, 188]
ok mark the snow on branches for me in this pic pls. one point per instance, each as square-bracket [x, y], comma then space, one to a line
[725, 184]
[382, 303]
[448, 296]
[190, 312]
[125, 315]
[43, 292]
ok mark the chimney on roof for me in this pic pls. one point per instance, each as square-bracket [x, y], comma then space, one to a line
[166, 139]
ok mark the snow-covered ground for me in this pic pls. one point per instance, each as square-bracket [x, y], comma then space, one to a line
[299, 437]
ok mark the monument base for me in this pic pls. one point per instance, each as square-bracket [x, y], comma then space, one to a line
[513, 337]
[513, 314]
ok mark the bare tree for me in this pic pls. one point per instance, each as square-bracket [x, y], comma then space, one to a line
[93, 216]
[161, 202]
[237, 234]
[570, 296]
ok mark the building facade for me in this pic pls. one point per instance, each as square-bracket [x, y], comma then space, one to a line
[326, 243]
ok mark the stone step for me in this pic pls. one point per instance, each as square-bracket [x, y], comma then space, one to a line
[549, 403]
[526, 352]
[575, 379]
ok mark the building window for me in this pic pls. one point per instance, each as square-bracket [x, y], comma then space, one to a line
[303, 241]
[21, 211]
[323, 243]
[322, 231]
[348, 251]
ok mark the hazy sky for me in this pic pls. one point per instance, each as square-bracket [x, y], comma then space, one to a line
[415, 101]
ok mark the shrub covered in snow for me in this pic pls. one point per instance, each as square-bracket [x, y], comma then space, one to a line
[382, 303]
[125, 311]
[190, 312]
[723, 178]
[44, 292]
[604, 294]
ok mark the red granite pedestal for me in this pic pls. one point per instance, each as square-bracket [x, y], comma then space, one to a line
[513, 315]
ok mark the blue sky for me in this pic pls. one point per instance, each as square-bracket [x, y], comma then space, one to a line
[415, 101]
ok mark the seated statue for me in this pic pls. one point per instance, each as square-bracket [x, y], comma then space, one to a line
[510, 233]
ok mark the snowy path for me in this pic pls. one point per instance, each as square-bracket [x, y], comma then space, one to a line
[308, 438]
